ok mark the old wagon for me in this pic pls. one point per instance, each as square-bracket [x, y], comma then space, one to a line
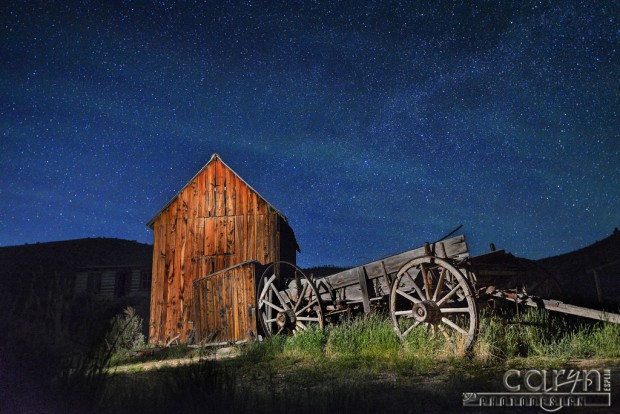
[438, 285]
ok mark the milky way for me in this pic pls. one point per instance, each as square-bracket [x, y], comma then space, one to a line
[373, 127]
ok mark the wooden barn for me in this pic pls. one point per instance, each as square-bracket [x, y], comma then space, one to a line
[216, 222]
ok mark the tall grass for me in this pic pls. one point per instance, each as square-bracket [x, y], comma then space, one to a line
[533, 333]
[372, 335]
[536, 333]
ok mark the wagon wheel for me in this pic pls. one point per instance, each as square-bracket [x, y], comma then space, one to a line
[287, 301]
[431, 292]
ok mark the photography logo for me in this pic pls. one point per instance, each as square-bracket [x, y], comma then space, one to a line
[550, 390]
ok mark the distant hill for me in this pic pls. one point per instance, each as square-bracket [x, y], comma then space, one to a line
[64, 257]
[571, 270]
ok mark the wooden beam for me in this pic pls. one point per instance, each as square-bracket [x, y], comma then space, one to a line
[363, 281]
[561, 307]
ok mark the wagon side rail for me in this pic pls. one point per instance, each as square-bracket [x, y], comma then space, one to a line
[373, 280]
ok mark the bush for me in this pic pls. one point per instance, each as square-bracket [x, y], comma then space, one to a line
[126, 332]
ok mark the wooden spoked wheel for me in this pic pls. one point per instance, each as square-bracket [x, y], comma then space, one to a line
[288, 301]
[429, 291]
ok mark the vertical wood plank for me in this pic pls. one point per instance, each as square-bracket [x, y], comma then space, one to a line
[239, 197]
[221, 308]
[220, 183]
[200, 244]
[250, 238]
[231, 193]
[230, 235]
[239, 248]
[201, 193]
[251, 300]
[209, 210]
[210, 238]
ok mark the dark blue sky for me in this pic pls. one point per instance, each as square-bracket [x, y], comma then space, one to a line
[373, 127]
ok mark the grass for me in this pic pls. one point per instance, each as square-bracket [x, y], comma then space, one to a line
[357, 366]
[534, 333]
[360, 366]
[124, 357]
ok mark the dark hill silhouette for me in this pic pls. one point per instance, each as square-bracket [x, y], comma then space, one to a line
[571, 270]
[21, 264]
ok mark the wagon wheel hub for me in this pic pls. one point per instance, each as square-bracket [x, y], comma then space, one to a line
[427, 311]
[286, 319]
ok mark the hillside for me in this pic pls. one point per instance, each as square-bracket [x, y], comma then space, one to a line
[62, 258]
[571, 270]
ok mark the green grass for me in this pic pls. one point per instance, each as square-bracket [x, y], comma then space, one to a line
[124, 357]
[371, 341]
[538, 334]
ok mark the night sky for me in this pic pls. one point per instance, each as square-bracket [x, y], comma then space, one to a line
[373, 128]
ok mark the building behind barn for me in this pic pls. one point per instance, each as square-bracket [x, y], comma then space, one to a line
[216, 221]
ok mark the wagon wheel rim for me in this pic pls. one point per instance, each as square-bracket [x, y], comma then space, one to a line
[288, 301]
[431, 292]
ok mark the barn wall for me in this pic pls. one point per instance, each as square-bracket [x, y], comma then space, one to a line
[215, 222]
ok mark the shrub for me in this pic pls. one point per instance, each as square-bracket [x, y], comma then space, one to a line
[126, 332]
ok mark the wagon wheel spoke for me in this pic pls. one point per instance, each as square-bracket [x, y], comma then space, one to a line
[271, 305]
[305, 308]
[454, 310]
[282, 301]
[290, 308]
[415, 286]
[307, 319]
[445, 334]
[425, 279]
[454, 326]
[449, 295]
[439, 284]
[408, 296]
[404, 312]
[411, 328]
[300, 297]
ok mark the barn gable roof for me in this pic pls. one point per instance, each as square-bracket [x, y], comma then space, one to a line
[214, 157]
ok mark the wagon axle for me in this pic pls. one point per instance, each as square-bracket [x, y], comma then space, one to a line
[286, 319]
[427, 311]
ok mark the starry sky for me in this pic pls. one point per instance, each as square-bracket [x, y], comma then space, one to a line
[373, 126]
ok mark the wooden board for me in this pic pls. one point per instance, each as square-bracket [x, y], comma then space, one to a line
[455, 247]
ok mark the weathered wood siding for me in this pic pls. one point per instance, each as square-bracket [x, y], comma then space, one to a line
[108, 282]
[216, 221]
[224, 305]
